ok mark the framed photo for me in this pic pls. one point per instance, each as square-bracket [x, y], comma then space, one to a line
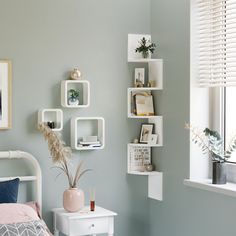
[146, 131]
[139, 77]
[152, 139]
[5, 94]
[138, 157]
[144, 104]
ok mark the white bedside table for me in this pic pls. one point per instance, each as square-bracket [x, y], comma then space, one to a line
[84, 222]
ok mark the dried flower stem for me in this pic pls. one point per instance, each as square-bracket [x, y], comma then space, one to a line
[61, 155]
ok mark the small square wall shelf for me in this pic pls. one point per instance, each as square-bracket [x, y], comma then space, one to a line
[82, 86]
[85, 127]
[54, 115]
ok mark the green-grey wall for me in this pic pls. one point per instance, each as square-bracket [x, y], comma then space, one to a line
[46, 39]
[185, 211]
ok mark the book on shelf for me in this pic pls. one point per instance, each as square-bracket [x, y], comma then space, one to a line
[88, 143]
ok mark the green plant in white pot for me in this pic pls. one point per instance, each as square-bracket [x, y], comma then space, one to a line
[73, 97]
[145, 47]
[211, 143]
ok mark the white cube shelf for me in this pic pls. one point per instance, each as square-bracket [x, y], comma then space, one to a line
[82, 86]
[55, 115]
[84, 127]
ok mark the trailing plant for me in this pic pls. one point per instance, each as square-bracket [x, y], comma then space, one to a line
[212, 143]
[61, 155]
[74, 94]
[145, 47]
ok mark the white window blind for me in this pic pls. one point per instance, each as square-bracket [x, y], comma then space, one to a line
[216, 42]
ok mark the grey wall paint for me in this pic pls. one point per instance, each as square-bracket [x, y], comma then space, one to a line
[185, 211]
[45, 39]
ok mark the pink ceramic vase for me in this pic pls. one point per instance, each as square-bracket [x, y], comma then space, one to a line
[73, 199]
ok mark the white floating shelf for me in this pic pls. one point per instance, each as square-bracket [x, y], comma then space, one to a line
[55, 115]
[131, 105]
[144, 173]
[143, 60]
[158, 129]
[144, 145]
[84, 127]
[140, 154]
[142, 117]
[83, 86]
[155, 183]
[143, 89]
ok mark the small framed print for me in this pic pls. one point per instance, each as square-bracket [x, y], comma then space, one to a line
[139, 77]
[5, 94]
[144, 104]
[146, 131]
[138, 157]
[152, 139]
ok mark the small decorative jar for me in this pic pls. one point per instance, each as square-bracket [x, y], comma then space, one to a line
[75, 74]
[149, 167]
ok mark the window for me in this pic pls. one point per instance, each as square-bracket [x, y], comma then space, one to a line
[215, 31]
[230, 116]
[212, 84]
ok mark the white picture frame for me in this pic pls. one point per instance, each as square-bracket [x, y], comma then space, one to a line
[146, 131]
[139, 77]
[5, 94]
[152, 139]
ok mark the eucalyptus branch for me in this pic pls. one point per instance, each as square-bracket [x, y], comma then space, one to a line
[210, 141]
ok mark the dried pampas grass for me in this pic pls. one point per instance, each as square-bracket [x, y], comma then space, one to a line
[61, 155]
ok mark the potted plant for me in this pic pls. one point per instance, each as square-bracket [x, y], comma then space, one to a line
[145, 47]
[73, 97]
[210, 142]
[73, 198]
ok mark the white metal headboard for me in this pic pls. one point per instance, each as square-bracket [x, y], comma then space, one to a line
[37, 178]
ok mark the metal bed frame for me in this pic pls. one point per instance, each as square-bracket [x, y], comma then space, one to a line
[37, 177]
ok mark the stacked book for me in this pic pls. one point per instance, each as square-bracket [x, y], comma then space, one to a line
[90, 144]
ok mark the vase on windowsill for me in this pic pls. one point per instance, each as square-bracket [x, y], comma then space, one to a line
[219, 174]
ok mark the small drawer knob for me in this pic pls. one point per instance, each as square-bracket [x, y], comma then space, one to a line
[92, 225]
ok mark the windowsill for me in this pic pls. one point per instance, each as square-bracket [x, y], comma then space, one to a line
[205, 184]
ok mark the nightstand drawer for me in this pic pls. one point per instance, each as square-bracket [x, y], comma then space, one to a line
[88, 226]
